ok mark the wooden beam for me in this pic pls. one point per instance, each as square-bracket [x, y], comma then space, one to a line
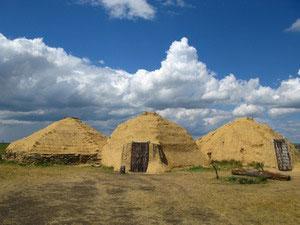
[265, 174]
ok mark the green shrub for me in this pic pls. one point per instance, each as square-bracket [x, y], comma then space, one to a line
[232, 179]
[244, 180]
[257, 165]
[3, 146]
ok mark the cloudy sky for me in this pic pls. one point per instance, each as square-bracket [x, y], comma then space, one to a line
[199, 63]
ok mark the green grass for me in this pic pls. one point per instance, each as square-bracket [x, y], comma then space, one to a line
[221, 165]
[38, 164]
[246, 180]
[198, 169]
[46, 164]
[15, 163]
[49, 164]
[15, 166]
[106, 169]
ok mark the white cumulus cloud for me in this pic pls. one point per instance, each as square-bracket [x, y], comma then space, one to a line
[274, 112]
[295, 27]
[41, 84]
[180, 3]
[128, 9]
[247, 110]
[197, 121]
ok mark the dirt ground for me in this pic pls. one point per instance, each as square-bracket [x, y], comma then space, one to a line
[89, 195]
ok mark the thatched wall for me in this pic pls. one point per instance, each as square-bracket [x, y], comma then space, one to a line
[65, 139]
[243, 140]
[178, 146]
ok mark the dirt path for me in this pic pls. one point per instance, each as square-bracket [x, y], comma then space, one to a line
[66, 195]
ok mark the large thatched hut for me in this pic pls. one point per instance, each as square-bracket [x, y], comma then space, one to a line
[248, 141]
[66, 141]
[152, 144]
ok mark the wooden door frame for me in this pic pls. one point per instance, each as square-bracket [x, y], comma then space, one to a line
[145, 157]
[278, 154]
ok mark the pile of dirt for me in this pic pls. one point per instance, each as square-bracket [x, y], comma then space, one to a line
[172, 146]
[68, 140]
[243, 140]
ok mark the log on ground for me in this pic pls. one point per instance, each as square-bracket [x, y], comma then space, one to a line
[265, 174]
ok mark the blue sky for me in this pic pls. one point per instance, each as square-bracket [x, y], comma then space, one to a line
[241, 37]
[249, 39]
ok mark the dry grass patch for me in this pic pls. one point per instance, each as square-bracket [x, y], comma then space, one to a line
[90, 195]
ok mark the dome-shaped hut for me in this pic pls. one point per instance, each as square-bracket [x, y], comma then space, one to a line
[152, 144]
[248, 141]
[68, 141]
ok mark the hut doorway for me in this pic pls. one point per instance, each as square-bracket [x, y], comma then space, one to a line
[282, 155]
[139, 156]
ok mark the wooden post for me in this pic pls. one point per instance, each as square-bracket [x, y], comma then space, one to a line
[122, 170]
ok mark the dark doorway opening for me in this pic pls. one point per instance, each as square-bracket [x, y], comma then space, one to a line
[139, 156]
[282, 155]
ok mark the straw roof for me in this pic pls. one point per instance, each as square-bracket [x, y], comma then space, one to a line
[66, 136]
[243, 140]
[178, 146]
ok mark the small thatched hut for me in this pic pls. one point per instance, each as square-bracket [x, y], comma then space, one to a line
[152, 144]
[66, 141]
[248, 141]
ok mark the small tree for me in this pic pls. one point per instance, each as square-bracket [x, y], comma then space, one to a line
[215, 165]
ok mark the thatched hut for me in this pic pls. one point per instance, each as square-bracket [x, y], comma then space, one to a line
[152, 144]
[66, 141]
[248, 141]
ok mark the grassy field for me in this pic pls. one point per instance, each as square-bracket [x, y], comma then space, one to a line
[92, 195]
